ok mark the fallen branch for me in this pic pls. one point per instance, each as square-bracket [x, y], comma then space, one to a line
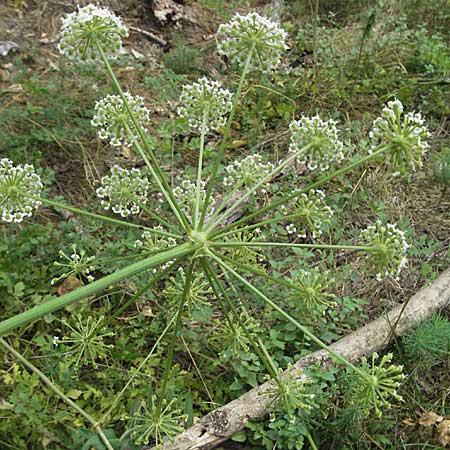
[151, 36]
[222, 423]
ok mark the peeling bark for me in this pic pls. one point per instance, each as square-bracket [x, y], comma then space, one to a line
[222, 423]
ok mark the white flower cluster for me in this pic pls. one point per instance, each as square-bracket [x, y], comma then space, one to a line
[155, 242]
[247, 171]
[255, 34]
[89, 27]
[123, 191]
[405, 134]
[389, 254]
[15, 183]
[322, 136]
[205, 104]
[312, 290]
[311, 214]
[185, 194]
[77, 264]
[113, 119]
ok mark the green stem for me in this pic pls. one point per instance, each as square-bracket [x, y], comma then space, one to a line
[58, 303]
[139, 293]
[224, 142]
[261, 273]
[311, 441]
[199, 169]
[187, 287]
[155, 168]
[58, 392]
[291, 245]
[225, 201]
[263, 222]
[158, 218]
[303, 329]
[259, 346]
[138, 369]
[306, 189]
[96, 216]
[170, 199]
[254, 188]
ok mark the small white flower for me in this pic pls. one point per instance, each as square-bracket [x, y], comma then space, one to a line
[312, 214]
[207, 99]
[76, 264]
[247, 171]
[389, 255]
[90, 26]
[252, 33]
[123, 191]
[154, 242]
[15, 183]
[326, 148]
[405, 134]
[185, 193]
[114, 122]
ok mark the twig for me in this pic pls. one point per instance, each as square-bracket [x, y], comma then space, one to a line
[151, 36]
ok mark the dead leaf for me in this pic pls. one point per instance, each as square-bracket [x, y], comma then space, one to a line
[167, 10]
[429, 419]
[410, 422]
[443, 430]
[68, 285]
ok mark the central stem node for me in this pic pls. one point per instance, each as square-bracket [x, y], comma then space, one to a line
[198, 237]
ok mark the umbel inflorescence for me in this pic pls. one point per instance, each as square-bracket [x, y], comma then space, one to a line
[89, 29]
[195, 229]
[20, 188]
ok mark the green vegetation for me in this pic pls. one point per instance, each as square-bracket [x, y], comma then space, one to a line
[179, 327]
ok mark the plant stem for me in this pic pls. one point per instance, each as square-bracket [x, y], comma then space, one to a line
[139, 293]
[304, 330]
[170, 199]
[199, 169]
[306, 189]
[141, 365]
[255, 187]
[290, 245]
[155, 169]
[224, 142]
[58, 303]
[96, 216]
[311, 441]
[259, 346]
[187, 287]
[157, 217]
[58, 392]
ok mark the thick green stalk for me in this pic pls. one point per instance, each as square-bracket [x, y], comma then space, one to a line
[160, 178]
[58, 392]
[303, 329]
[187, 287]
[58, 303]
[199, 169]
[254, 188]
[224, 142]
[291, 245]
[96, 216]
[295, 194]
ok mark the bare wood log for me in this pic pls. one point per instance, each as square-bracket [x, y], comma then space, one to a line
[222, 423]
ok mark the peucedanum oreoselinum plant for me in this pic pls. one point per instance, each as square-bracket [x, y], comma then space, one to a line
[206, 240]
